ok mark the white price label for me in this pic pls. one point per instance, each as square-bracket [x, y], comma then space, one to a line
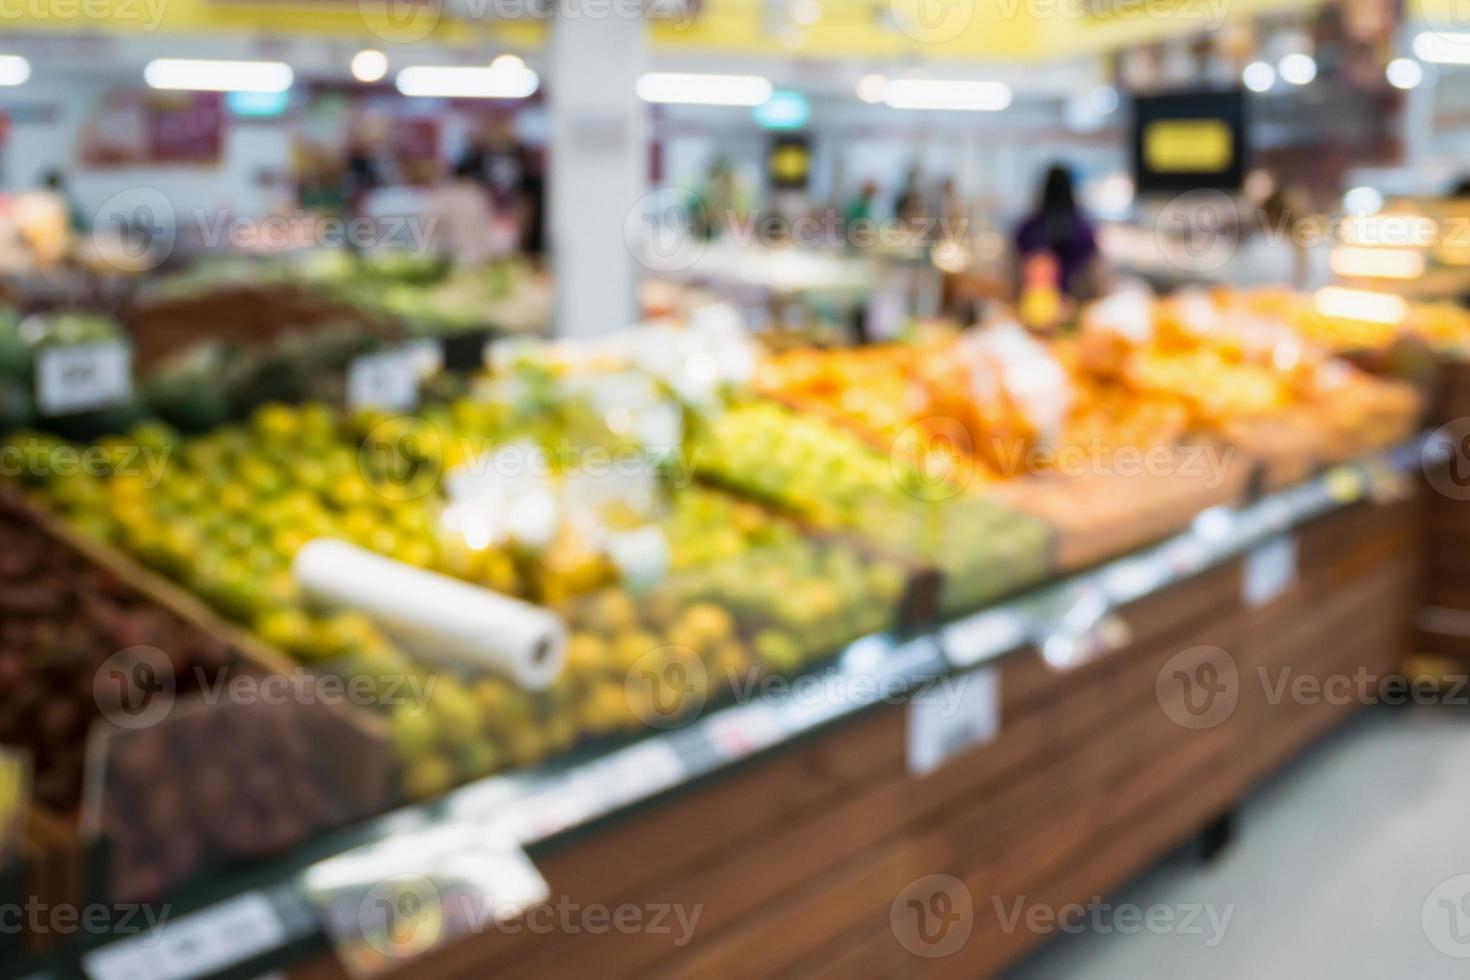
[1268, 571]
[84, 377]
[387, 380]
[951, 717]
[197, 945]
[982, 636]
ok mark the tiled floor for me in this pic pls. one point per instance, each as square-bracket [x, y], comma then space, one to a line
[1338, 871]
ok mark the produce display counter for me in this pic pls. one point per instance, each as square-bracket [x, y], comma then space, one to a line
[1042, 750]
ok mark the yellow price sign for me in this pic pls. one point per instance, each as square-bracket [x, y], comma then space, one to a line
[1192, 146]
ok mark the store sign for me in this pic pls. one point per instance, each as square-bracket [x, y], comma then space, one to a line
[1189, 141]
[1268, 571]
[83, 377]
[952, 717]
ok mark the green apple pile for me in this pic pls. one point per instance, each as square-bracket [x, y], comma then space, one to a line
[831, 479]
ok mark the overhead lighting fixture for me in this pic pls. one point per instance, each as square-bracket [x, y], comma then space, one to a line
[369, 65]
[258, 104]
[1361, 304]
[934, 93]
[1297, 69]
[1356, 262]
[1443, 47]
[14, 70]
[783, 110]
[1258, 76]
[692, 89]
[870, 88]
[467, 82]
[1404, 73]
[218, 76]
[508, 62]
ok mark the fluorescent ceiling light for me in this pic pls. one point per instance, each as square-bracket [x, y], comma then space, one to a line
[468, 82]
[218, 76]
[1258, 76]
[369, 65]
[1362, 305]
[870, 88]
[508, 62]
[14, 69]
[1297, 69]
[934, 93]
[1356, 262]
[689, 89]
[1404, 73]
[1443, 47]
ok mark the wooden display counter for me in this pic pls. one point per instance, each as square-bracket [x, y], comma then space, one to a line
[815, 859]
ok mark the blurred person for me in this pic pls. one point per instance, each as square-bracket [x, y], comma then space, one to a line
[860, 208]
[908, 205]
[49, 221]
[460, 217]
[1056, 244]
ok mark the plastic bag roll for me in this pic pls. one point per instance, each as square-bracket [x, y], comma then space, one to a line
[438, 618]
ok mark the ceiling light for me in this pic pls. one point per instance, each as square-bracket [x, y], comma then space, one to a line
[14, 69]
[1443, 47]
[467, 82]
[1359, 304]
[690, 89]
[870, 88]
[1356, 262]
[933, 93]
[218, 76]
[1404, 73]
[1297, 69]
[508, 62]
[1258, 76]
[369, 65]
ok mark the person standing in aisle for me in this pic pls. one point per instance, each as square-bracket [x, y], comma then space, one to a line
[1057, 232]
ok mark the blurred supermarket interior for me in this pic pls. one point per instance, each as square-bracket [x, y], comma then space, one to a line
[735, 488]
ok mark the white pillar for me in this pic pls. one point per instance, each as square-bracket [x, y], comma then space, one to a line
[598, 163]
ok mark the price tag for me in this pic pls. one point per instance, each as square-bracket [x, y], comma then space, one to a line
[737, 732]
[951, 717]
[196, 945]
[84, 377]
[982, 636]
[1268, 571]
[387, 380]
[385, 905]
